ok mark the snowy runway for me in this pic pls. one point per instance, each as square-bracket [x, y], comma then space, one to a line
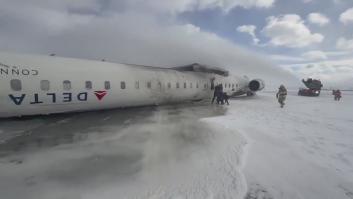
[302, 151]
[251, 149]
[159, 152]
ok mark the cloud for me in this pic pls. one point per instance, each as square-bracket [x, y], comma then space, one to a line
[344, 44]
[333, 73]
[347, 16]
[290, 31]
[227, 5]
[124, 36]
[315, 55]
[318, 19]
[191, 5]
[286, 58]
[249, 29]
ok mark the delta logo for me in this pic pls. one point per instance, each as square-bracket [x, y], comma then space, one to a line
[100, 94]
[54, 98]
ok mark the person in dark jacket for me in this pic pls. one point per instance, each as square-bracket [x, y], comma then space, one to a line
[215, 93]
[220, 99]
[225, 98]
[218, 94]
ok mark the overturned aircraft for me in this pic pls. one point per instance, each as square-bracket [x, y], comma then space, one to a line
[42, 85]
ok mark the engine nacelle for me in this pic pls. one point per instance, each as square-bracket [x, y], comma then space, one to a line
[256, 85]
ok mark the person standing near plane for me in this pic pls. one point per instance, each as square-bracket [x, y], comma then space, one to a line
[225, 98]
[281, 95]
[215, 93]
[218, 92]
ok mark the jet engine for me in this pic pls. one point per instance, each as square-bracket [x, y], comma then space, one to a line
[256, 85]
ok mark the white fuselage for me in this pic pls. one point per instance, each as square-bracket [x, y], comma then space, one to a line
[40, 85]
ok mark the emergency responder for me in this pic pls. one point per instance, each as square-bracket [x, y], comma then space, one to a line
[337, 95]
[281, 95]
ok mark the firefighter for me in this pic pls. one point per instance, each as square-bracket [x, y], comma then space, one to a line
[281, 95]
[338, 95]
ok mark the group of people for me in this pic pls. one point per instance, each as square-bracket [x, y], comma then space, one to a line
[337, 94]
[282, 94]
[220, 96]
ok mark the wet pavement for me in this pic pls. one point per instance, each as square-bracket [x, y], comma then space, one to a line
[63, 156]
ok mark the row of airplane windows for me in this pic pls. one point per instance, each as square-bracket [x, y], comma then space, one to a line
[16, 85]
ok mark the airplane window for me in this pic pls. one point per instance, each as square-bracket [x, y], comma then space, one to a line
[149, 84]
[88, 85]
[169, 85]
[137, 85]
[184, 84]
[160, 85]
[228, 85]
[197, 85]
[66, 85]
[225, 85]
[232, 85]
[177, 85]
[16, 84]
[107, 85]
[122, 85]
[190, 85]
[204, 86]
[44, 85]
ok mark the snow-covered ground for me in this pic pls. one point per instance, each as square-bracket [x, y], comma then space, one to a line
[158, 152]
[302, 151]
[250, 149]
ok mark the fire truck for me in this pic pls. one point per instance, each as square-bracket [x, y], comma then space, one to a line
[313, 88]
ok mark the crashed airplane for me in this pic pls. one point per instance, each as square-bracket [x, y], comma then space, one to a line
[43, 85]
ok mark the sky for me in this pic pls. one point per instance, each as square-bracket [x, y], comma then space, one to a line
[284, 40]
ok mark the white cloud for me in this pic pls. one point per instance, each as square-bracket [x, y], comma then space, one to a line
[229, 4]
[337, 53]
[178, 6]
[127, 36]
[311, 56]
[286, 58]
[146, 6]
[249, 29]
[290, 31]
[344, 44]
[347, 16]
[333, 73]
[315, 55]
[319, 19]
